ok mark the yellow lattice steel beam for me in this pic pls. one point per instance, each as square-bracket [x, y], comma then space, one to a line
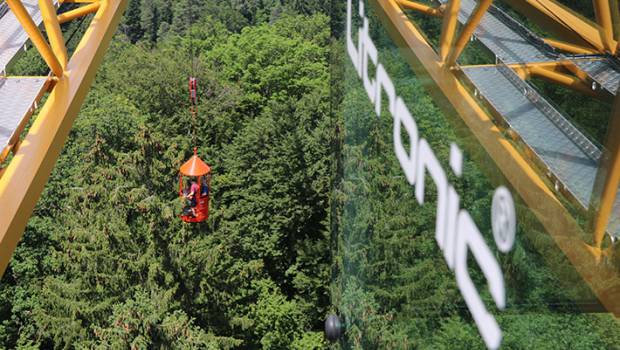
[448, 28]
[25, 177]
[566, 80]
[520, 172]
[467, 31]
[422, 8]
[54, 34]
[79, 12]
[570, 47]
[35, 36]
[602, 9]
[615, 17]
[565, 23]
[564, 73]
[610, 168]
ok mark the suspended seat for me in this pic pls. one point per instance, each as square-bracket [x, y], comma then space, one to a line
[196, 189]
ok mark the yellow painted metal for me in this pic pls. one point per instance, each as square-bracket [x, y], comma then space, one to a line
[79, 12]
[610, 165]
[448, 29]
[26, 175]
[602, 9]
[603, 279]
[615, 17]
[563, 72]
[566, 80]
[578, 72]
[544, 64]
[570, 47]
[425, 9]
[563, 22]
[54, 34]
[35, 36]
[468, 30]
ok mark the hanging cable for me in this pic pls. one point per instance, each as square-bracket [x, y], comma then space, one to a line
[193, 82]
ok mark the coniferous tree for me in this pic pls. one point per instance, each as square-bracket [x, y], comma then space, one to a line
[133, 22]
[167, 13]
[106, 262]
[154, 24]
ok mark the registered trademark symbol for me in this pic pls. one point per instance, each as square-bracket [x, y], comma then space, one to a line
[503, 219]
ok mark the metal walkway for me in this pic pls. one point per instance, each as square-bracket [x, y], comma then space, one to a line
[511, 42]
[12, 36]
[564, 150]
[571, 164]
[18, 96]
[17, 99]
[508, 44]
[603, 72]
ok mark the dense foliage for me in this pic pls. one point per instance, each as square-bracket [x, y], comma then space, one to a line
[106, 263]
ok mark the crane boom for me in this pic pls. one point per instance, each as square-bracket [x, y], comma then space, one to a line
[23, 180]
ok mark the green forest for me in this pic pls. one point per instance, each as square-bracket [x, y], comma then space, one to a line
[310, 212]
[105, 261]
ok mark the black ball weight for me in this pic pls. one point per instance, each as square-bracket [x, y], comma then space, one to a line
[333, 328]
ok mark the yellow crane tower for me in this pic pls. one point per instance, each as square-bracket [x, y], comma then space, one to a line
[29, 160]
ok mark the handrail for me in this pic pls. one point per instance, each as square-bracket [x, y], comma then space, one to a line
[523, 30]
[534, 39]
[4, 9]
[587, 146]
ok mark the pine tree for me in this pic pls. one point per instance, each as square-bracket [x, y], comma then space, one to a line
[154, 25]
[133, 24]
[166, 13]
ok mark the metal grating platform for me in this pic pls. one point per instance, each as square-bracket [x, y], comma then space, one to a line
[603, 72]
[562, 155]
[12, 36]
[508, 44]
[566, 154]
[512, 43]
[17, 97]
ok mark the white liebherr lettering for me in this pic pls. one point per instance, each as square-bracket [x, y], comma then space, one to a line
[456, 232]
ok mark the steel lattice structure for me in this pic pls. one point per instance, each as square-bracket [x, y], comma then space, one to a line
[495, 100]
[34, 155]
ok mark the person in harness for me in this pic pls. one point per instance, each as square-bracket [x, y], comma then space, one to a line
[204, 186]
[191, 195]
